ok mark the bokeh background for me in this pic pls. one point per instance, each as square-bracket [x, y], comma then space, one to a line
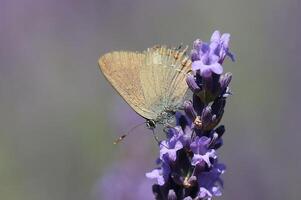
[59, 116]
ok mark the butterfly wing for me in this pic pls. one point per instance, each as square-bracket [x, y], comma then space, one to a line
[150, 81]
[122, 69]
[163, 78]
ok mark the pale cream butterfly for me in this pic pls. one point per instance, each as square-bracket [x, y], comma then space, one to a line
[152, 82]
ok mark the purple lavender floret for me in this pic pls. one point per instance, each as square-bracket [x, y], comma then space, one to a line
[188, 161]
[210, 182]
[170, 147]
[208, 58]
[201, 151]
[162, 173]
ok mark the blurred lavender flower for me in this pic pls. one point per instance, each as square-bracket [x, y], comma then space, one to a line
[124, 179]
[188, 164]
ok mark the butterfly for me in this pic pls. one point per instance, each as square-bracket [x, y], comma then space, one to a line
[152, 82]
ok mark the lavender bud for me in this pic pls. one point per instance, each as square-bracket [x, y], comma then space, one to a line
[213, 118]
[217, 135]
[227, 92]
[225, 81]
[194, 55]
[198, 78]
[208, 83]
[197, 44]
[206, 116]
[192, 84]
[215, 85]
[218, 144]
[218, 107]
[157, 192]
[198, 105]
[220, 130]
[189, 111]
[181, 120]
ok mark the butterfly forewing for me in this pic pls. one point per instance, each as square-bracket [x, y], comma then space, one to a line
[150, 82]
[122, 71]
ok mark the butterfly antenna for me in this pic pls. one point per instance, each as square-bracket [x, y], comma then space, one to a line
[183, 72]
[127, 133]
[179, 47]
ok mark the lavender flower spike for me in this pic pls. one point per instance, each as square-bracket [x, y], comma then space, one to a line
[188, 160]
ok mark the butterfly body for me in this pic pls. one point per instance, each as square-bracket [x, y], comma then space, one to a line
[162, 118]
[152, 82]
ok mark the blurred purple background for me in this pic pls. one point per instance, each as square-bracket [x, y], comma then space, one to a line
[59, 115]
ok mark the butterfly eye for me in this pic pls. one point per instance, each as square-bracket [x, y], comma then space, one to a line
[150, 124]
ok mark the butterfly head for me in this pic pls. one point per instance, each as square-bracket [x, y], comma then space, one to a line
[151, 124]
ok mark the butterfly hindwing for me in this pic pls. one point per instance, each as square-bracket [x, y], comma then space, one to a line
[163, 78]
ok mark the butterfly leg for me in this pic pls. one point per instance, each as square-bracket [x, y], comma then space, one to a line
[167, 126]
[165, 129]
[155, 137]
[181, 107]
